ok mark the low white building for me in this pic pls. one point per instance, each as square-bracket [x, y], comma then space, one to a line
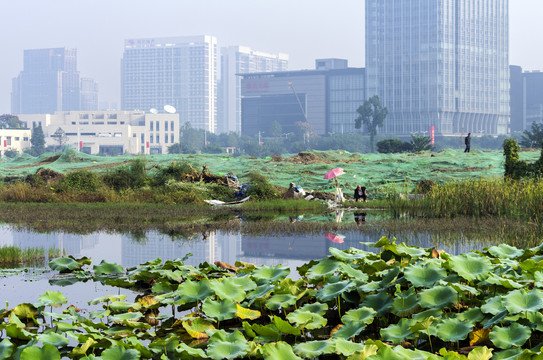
[109, 132]
[14, 139]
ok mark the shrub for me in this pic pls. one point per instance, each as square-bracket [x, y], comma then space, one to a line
[131, 176]
[81, 180]
[390, 146]
[260, 188]
[174, 171]
[11, 153]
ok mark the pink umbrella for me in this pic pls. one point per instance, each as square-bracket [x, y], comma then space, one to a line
[333, 173]
[334, 237]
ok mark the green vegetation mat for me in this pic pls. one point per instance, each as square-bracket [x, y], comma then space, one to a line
[396, 302]
[375, 171]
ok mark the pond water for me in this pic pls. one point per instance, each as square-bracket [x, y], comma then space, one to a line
[236, 244]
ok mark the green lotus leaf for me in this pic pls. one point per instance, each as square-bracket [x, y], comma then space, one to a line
[306, 319]
[426, 314]
[425, 275]
[512, 354]
[438, 297]
[317, 308]
[244, 281]
[381, 303]
[279, 351]
[109, 298]
[461, 288]
[285, 327]
[118, 352]
[350, 255]
[54, 339]
[127, 317]
[6, 349]
[313, 349]
[47, 352]
[248, 329]
[219, 310]
[370, 287]
[244, 313]
[423, 326]
[332, 291]
[269, 332]
[505, 251]
[269, 274]
[197, 327]
[99, 314]
[493, 305]
[498, 318]
[289, 286]
[51, 298]
[191, 291]
[163, 286]
[506, 337]
[122, 307]
[349, 330]
[14, 331]
[388, 276]
[363, 315]
[471, 266]
[473, 315]
[353, 273]
[324, 268]
[405, 250]
[386, 353]
[183, 348]
[453, 330]
[414, 354]
[228, 289]
[405, 303]
[65, 264]
[175, 276]
[398, 332]
[280, 301]
[498, 280]
[480, 353]
[346, 347]
[382, 242]
[227, 346]
[25, 311]
[260, 291]
[105, 268]
[536, 320]
[520, 301]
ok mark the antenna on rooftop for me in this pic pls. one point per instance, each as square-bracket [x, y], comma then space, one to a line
[153, 111]
[170, 109]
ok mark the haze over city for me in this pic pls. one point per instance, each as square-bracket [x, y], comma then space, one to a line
[303, 29]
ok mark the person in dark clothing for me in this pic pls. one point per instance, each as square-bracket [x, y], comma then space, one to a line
[467, 141]
[360, 193]
[359, 218]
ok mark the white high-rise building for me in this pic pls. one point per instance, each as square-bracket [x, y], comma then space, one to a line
[241, 60]
[176, 71]
[439, 63]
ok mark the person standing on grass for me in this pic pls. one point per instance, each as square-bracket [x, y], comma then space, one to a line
[467, 141]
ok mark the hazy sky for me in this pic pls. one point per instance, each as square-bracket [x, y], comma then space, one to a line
[304, 29]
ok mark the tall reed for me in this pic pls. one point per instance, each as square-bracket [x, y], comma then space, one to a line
[13, 256]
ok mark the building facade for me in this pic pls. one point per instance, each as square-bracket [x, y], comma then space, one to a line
[49, 82]
[89, 94]
[176, 71]
[326, 99]
[439, 63]
[532, 107]
[241, 60]
[14, 140]
[109, 132]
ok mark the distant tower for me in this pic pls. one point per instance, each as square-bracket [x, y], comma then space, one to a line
[241, 60]
[440, 63]
[176, 71]
[48, 83]
[89, 94]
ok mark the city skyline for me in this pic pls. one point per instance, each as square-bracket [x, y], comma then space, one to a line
[298, 31]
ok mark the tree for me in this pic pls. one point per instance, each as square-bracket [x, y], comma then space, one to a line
[275, 129]
[37, 140]
[372, 114]
[10, 122]
[420, 143]
[534, 138]
[60, 136]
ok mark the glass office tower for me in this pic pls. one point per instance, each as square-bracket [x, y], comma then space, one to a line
[441, 63]
[176, 71]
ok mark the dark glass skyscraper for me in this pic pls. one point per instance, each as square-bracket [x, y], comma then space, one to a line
[49, 82]
[441, 63]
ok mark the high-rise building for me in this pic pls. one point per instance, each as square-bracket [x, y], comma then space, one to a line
[516, 94]
[440, 63]
[89, 94]
[532, 110]
[241, 60]
[49, 82]
[176, 71]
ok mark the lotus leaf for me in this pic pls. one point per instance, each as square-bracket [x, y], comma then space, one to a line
[289, 286]
[350, 255]
[313, 349]
[331, 291]
[346, 347]
[268, 332]
[349, 330]
[185, 349]
[370, 287]
[453, 330]
[423, 326]
[381, 303]
[227, 346]
[399, 332]
[105, 268]
[493, 305]
[352, 273]
[219, 310]
[473, 315]
[512, 354]
[382, 242]
[536, 320]
[65, 264]
[507, 337]
[520, 301]
[438, 297]
[163, 286]
[197, 327]
[118, 352]
[471, 266]
[190, 291]
[477, 337]
[363, 315]
[505, 251]
[261, 291]
[54, 339]
[121, 306]
[317, 308]
[414, 354]
[285, 327]
[268, 274]
[306, 319]
[498, 318]
[405, 303]
[324, 268]
[279, 351]
[127, 317]
[405, 250]
[6, 349]
[51, 298]
[460, 287]
[389, 276]
[425, 275]
[244, 313]
[47, 352]
[109, 298]
[228, 289]
[498, 280]
[280, 301]
[387, 353]
[426, 314]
